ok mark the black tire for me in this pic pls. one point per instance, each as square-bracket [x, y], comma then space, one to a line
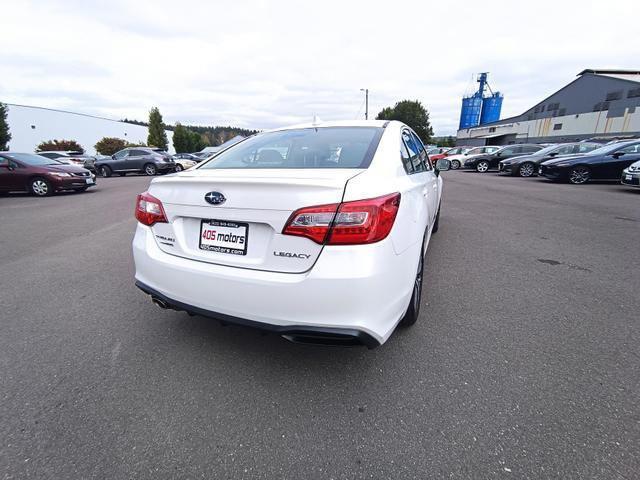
[579, 175]
[105, 171]
[179, 167]
[455, 164]
[40, 187]
[413, 311]
[436, 224]
[482, 166]
[150, 169]
[527, 169]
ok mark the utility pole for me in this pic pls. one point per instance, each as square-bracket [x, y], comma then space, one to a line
[366, 102]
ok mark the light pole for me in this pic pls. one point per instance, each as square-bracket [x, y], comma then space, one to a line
[366, 102]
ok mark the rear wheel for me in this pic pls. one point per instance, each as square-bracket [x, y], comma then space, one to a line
[436, 224]
[482, 166]
[105, 171]
[527, 169]
[455, 164]
[179, 167]
[150, 169]
[579, 175]
[414, 304]
[40, 187]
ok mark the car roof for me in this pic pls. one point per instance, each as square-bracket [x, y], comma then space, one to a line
[336, 123]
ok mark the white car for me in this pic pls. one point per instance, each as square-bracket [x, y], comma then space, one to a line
[315, 232]
[458, 160]
[184, 164]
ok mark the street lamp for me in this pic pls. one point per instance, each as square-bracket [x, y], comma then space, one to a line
[366, 102]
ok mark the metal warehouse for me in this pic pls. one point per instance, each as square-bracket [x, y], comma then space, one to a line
[601, 104]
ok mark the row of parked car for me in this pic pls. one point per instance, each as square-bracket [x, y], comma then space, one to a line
[47, 172]
[577, 162]
[147, 160]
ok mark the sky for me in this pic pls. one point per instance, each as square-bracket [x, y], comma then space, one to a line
[264, 64]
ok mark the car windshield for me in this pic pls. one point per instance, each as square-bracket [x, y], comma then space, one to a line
[326, 147]
[546, 150]
[607, 149]
[32, 159]
[475, 151]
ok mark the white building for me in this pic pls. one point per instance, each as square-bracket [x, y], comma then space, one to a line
[29, 126]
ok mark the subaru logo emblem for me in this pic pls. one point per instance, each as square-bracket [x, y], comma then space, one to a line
[215, 198]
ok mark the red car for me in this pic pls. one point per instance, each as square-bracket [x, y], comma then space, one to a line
[26, 172]
[437, 153]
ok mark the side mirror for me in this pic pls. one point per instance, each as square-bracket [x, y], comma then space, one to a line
[553, 154]
[442, 165]
[617, 154]
[498, 154]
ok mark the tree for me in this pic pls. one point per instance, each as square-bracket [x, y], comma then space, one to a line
[413, 114]
[157, 135]
[5, 135]
[196, 142]
[109, 145]
[181, 139]
[58, 145]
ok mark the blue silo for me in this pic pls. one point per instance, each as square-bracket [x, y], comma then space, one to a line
[491, 107]
[470, 113]
[479, 109]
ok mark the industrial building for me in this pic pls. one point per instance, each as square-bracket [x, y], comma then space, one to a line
[598, 104]
[29, 126]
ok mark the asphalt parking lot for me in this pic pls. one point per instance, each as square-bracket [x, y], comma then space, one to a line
[524, 364]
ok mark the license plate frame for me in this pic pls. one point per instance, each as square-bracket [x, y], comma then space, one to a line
[228, 227]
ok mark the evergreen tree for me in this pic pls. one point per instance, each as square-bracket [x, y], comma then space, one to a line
[181, 139]
[411, 113]
[157, 135]
[5, 136]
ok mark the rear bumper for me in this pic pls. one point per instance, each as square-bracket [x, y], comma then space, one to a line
[301, 333]
[359, 292]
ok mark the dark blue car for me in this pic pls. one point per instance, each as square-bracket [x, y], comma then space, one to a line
[604, 163]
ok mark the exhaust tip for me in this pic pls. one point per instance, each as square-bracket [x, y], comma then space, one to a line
[159, 303]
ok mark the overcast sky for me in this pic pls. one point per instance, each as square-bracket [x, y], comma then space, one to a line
[263, 64]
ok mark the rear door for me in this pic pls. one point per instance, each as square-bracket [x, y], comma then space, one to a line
[423, 173]
[136, 159]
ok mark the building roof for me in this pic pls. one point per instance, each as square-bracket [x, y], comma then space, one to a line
[630, 75]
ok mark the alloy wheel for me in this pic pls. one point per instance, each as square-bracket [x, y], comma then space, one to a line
[417, 287]
[150, 170]
[482, 167]
[40, 187]
[527, 170]
[178, 168]
[579, 175]
[455, 164]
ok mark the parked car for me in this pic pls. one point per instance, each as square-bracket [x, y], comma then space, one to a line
[482, 163]
[457, 161]
[27, 172]
[202, 156]
[527, 165]
[267, 229]
[631, 175]
[185, 156]
[604, 163]
[149, 161]
[437, 151]
[183, 164]
[71, 157]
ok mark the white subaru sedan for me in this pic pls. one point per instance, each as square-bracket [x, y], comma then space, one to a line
[315, 232]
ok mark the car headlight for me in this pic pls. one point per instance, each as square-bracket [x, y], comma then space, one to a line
[60, 174]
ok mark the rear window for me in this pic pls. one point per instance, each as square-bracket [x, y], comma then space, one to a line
[327, 147]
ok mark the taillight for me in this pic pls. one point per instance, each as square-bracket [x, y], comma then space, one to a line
[149, 210]
[348, 223]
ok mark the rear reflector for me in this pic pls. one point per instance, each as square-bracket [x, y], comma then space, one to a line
[348, 223]
[149, 210]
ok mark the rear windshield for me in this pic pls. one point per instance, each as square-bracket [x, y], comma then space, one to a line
[327, 147]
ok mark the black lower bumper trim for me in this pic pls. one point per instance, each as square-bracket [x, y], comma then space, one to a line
[295, 333]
